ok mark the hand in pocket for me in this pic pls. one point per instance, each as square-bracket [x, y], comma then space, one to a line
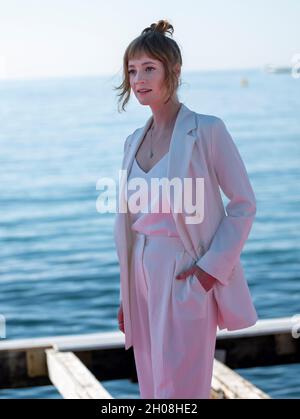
[207, 281]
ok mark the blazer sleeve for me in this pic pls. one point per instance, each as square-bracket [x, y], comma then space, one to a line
[234, 228]
[125, 149]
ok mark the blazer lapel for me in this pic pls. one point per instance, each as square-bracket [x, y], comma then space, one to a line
[181, 145]
[180, 151]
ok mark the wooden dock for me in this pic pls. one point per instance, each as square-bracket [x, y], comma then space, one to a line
[76, 364]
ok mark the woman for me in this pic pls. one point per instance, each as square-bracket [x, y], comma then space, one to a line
[181, 275]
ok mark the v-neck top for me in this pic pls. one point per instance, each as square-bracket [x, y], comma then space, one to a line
[150, 218]
[146, 173]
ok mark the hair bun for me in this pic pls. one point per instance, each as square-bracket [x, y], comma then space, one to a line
[162, 26]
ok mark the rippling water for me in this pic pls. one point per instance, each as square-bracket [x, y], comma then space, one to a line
[58, 264]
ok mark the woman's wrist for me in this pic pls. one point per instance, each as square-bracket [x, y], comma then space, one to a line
[206, 280]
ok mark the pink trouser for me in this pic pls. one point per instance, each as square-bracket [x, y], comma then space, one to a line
[174, 322]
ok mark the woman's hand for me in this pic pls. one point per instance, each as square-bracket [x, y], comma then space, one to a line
[206, 280]
[121, 318]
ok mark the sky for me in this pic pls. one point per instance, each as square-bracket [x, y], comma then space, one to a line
[59, 38]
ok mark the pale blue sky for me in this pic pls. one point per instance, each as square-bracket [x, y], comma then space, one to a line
[88, 37]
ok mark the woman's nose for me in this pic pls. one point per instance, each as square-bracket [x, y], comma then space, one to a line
[138, 79]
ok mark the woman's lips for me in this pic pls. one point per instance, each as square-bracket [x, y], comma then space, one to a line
[143, 93]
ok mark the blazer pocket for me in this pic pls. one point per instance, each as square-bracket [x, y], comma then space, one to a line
[190, 298]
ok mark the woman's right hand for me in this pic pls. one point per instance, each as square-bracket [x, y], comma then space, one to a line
[121, 318]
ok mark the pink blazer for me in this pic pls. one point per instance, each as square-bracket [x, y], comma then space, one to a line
[201, 146]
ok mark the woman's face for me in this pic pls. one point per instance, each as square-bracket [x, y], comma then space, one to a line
[147, 73]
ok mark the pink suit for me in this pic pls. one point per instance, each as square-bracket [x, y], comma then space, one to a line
[172, 361]
[201, 146]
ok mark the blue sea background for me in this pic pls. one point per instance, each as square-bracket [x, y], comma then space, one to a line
[59, 271]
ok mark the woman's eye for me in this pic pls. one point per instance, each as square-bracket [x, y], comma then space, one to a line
[130, 71]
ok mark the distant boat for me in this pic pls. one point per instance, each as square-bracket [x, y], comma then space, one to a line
[273, 69]
[244, 82]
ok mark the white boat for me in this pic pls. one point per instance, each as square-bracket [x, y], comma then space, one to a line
[270, 68]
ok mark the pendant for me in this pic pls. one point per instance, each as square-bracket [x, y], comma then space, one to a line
[151, 154]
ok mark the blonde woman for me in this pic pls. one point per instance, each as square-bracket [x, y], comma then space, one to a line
[180, 271]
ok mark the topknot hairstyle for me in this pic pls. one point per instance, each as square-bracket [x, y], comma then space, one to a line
[157, 42]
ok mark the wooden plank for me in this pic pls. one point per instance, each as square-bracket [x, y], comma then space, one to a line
[276, 326]
[92, 341]
[227, 384]
[71, 378]
[22, 361]
[26, 367]
[108, 340]
[104, 340]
